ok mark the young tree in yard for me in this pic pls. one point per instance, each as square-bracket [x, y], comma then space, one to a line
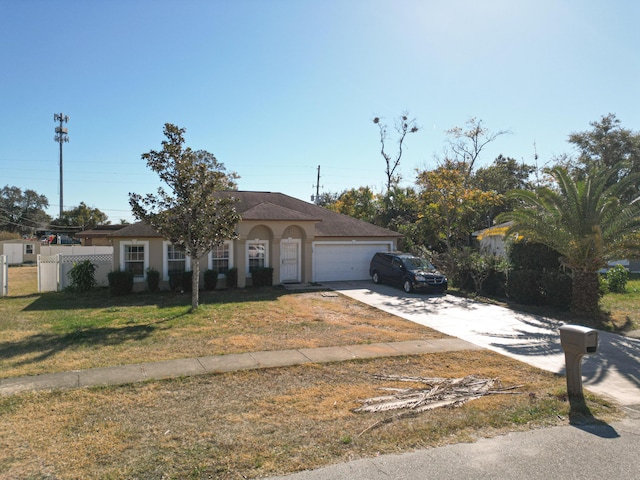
[403, 126]
[192, 215]
[584, 219]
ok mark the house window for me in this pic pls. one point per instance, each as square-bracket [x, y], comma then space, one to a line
[257, 253]
[28, 249]
[174, 261]
[134, 257]
[220, 258]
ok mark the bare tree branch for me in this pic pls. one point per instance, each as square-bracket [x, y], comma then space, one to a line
[403, 126]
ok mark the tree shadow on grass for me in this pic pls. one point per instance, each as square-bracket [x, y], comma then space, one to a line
[41, 346]
[100, 298]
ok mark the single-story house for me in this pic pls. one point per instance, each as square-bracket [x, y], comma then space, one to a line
[98, 236]
[301, 241]
[492, 240]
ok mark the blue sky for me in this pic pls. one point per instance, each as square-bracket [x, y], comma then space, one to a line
[276, 88]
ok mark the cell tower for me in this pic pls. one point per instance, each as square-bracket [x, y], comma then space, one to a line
[61, 137]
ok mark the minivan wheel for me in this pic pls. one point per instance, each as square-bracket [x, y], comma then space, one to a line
[406, 286]
[375, 278]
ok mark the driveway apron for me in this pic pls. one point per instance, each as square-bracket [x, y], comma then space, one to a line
[613, 371]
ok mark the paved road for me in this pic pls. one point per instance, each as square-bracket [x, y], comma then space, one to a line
[613, 371]
[589, 452]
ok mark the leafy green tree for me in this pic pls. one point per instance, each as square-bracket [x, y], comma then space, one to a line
[608, 145]
[326, 199]
[22, 211]
[503, 175]
[450, 204]
[83, 217]
[585, 220]
[193, 215]
[358, 203]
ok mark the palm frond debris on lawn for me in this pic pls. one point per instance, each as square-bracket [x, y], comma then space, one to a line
[440, 392]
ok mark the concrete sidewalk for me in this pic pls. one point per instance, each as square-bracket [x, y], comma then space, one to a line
[225, 363]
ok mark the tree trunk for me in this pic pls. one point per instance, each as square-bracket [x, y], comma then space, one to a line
[195, 283]
[585, 290]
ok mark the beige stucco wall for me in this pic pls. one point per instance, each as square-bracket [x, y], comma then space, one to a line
[273, 232]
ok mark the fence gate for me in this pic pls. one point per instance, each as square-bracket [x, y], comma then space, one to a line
[48, 279]
[4, 276]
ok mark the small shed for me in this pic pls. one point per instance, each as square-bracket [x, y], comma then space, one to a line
[19, 251]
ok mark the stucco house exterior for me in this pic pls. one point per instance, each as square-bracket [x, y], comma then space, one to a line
[302, 242]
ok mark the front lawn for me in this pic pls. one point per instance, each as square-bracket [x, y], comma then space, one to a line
[245, 424]
[53, 332]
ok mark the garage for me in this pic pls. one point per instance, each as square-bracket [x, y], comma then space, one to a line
[340, 261]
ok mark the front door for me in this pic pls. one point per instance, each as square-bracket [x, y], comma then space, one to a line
[289, 261]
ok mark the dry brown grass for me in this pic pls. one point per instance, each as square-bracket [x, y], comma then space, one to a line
[62, 331]
[257, 423]
[238, 425]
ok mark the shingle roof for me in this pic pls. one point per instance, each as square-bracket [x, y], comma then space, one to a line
[138, 229]
[268, 206]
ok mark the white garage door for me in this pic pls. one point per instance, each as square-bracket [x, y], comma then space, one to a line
[336, 261]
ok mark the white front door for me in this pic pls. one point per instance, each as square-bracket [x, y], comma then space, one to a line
[289, 261]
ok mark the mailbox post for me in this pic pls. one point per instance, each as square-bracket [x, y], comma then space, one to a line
[576, 342]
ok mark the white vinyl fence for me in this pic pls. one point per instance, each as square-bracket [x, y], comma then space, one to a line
[4, 276]
[49, 250]
[53, 270]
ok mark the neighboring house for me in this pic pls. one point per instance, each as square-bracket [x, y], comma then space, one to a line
[300, 241]
[19, 251]
[492, 240]
[98, 236]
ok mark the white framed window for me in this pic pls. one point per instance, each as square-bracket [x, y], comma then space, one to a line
[174, 261]
[134, 257]
[28, 249]
[221, 258]
[257, 254]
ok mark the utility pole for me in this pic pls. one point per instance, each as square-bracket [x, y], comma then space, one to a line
[316, 199]
[61, 137]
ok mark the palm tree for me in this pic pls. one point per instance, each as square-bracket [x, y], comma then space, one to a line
[585, 221]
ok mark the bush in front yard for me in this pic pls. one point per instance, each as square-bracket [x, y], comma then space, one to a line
[82, 276]
[153, 280]
[210, 279]
[523, 286]
[617, 278]
[262, 277]
[120, 282]
[557, 288]
[232, 277]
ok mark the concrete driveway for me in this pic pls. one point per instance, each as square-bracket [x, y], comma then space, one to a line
[613, 371]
